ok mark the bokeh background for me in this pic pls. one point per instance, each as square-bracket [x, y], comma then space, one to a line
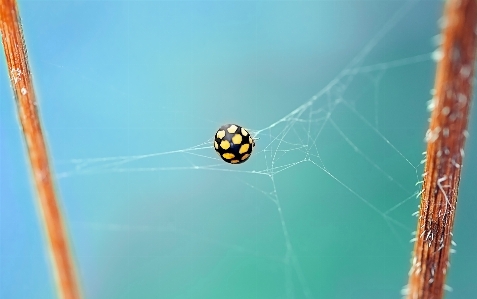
[120, 79]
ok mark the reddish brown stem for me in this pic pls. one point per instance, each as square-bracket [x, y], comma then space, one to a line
[21, 80]
[445, 143]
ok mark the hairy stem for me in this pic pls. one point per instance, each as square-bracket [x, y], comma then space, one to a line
[21, 81]
[445, 151]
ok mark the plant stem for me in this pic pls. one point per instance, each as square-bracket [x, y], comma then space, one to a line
[445, 143]
[21, 81]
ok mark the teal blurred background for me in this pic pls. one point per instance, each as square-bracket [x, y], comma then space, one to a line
[321, 210]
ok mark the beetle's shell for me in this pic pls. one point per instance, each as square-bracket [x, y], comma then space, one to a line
[233, 143]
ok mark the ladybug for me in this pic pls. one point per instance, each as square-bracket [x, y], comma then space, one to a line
[233, 143]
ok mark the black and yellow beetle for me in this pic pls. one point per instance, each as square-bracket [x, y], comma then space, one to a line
[233, 143]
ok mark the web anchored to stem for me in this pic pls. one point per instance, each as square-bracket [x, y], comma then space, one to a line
[302, 139]
[445, 151]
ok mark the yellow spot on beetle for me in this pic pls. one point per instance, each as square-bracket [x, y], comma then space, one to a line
[244, 132]
[237, 139]
[250, 140]
[234, 161]
[232, 129]
[221, 134]
[244, 148]
[245, 156]
[228, 156]
[225, 144]
[216, 145]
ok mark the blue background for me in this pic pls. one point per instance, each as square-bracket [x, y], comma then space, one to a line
[322, 209]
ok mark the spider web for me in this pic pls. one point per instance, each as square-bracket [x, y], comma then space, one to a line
[340, 168]
[302, 138]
